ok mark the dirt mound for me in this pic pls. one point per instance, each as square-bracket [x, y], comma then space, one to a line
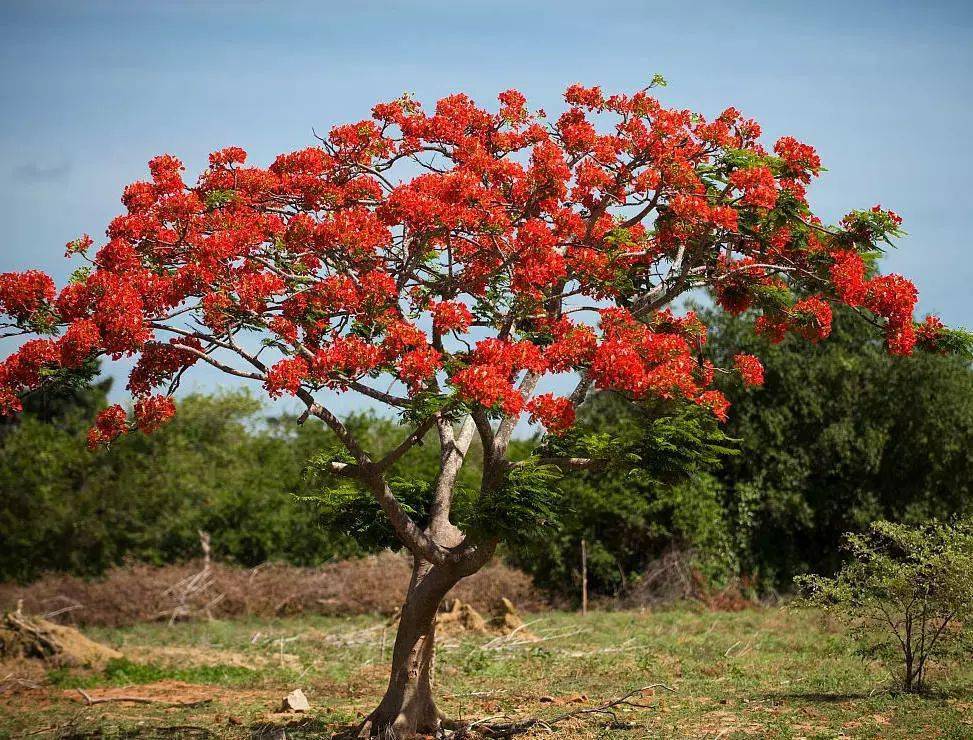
[505, 618]
[459, 618]
[26, 637]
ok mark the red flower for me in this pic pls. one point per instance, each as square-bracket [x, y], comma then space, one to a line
[929, 334]
[158, 363]
[418, 365]
[715, 402]
[811, 318]
[556, 414]
[24, 293]
[286, 375]
[751, 369]
[79, 342]
[800, 159]
[757, 185]
[153, 412]
[774, 328]
[230, 155]
[848, 276]
[110, 424]
[450, 316]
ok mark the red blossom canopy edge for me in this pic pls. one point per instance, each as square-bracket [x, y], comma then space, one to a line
[465, 254]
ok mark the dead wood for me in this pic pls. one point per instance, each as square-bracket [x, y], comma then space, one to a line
[489, 727]
[89, 700]
[28, 637]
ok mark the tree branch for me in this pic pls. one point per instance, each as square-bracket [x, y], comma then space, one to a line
[407, 444]
[565, 463]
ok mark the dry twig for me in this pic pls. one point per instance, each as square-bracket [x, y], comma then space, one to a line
[518, 727]
[89, 700]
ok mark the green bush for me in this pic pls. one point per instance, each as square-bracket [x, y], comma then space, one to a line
[218, 467]
[630, 518]
[840, 435]
[905, 594]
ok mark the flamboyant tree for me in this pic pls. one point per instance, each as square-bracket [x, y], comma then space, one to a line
[443, 264]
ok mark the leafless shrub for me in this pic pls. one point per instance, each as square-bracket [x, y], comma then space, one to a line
[138, 592]
[673, 577]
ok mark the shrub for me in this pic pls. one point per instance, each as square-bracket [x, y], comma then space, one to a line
[906, 594]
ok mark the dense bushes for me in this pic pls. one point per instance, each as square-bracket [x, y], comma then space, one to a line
[629, 519]
[215, 468]
[841, 435]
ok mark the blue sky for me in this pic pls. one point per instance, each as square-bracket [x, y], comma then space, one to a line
[91, 90]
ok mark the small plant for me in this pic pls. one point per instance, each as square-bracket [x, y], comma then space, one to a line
[906, 594]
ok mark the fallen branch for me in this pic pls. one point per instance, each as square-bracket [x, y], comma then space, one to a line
[89, 700]
[510, 729]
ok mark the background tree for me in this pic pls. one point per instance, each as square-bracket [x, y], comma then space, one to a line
[840, 435]
[672, 502]
[444, 264]
[218, 467]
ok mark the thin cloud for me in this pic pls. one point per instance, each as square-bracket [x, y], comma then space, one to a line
[34, 172]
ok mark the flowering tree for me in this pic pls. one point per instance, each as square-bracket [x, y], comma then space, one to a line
[443, 264]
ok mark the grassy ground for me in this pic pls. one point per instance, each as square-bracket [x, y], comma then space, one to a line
[759, 673]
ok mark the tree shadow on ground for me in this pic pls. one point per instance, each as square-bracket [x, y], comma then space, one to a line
[930, 693]
[307, 727]
[819, 697]
[151, 733]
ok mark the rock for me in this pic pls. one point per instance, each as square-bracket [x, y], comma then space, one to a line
[295, 702]
[29, 637]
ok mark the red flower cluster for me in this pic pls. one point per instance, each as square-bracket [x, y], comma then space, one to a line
[894, 298]
[751, 369]
[555, 413]
[24, 293]
[79, 342]
[930, 334]
[418, 365]
[286, 376]
[516, 232]
[110, 424]
[801, 160]
[153, 412]
[450, 316]
[811, 318]
[757, 185]
[737, 283]
[488, 378]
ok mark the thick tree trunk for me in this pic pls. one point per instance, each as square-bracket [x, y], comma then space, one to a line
[409, 706]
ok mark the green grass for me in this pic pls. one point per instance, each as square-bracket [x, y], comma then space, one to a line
[759, 673]
[124, 672]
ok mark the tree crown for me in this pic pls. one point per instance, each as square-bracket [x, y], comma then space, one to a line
[462, 255]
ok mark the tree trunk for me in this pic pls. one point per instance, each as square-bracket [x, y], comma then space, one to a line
[408, 706]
